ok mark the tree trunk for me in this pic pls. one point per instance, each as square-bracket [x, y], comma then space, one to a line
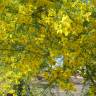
[20, 88]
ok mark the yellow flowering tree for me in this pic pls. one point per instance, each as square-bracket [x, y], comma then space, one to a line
[33, 33]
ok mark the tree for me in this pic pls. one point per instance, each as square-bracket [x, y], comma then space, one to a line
[35, 32]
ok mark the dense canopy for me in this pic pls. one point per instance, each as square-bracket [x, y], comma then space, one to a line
[34, 33]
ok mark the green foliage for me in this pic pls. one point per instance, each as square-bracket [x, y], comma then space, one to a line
[34, 32]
